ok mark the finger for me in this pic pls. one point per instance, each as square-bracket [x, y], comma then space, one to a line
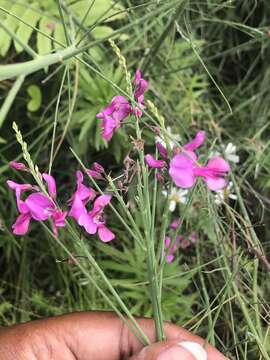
[170, 350]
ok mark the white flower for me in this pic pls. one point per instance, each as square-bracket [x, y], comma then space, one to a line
[176, 196]
[172, 140]
[222, 195]
[229, 152]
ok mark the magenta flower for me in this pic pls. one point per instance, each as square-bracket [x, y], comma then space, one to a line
[18, 166]
[113, 115]
[36, 206]
[92, 221]
[162, 150]
[154, 163]
[196, 142]
[140, 88]
[184, 171]
[96, 171]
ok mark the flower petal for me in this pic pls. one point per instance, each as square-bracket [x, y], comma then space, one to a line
[181, 170]
[87, 222]
[51, 184]
[215, 183]
[39, 206]
[99, 204]
[196, 142]
[153, 163]
[218, 164]
[77, 208]
[105, 234]
[162, 150]
[18, 166]
[20, 227]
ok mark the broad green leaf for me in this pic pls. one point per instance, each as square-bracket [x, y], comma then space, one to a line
[36, 96]
[24, 32]
[59, 34]
[102, 9]
[12, 24]
[44, 45]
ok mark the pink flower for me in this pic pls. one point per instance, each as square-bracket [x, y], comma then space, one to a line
[80, 198]
[36, 206]
[175, 224]
[113, 115]
[184, 171]
[172, 249]
[96, 171]
[140, 88]
[92, 221]
[18, 166]
[154, 163]
[196, 142]
[162, 150]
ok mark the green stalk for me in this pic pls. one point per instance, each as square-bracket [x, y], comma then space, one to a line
[150, 243]
[41, 62]
[10, 98]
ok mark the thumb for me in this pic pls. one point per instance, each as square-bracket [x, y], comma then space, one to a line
[171, 350]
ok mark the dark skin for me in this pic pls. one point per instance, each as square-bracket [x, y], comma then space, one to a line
[89, 335]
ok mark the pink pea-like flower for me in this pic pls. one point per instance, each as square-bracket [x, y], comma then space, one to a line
[154, 163]
[36, 206]
[113, 115]
[18, 166]
[141, 86]
[96, 171]
[184, 169]
[93, 221]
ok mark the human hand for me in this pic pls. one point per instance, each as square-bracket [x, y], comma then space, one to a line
[98, 336]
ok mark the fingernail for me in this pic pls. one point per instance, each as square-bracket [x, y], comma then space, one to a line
[195, 349]
[185, 350]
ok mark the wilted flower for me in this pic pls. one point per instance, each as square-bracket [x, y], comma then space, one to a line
[227, 193]
[113, 115]
[175, 196]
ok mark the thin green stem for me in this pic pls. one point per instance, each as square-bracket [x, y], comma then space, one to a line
[56, 118]
[10, 99]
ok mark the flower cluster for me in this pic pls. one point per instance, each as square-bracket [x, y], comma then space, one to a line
[42, 206]
[175, 241]
[119, 109]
